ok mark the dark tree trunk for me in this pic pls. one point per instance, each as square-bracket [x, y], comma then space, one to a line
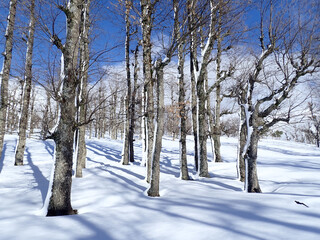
[126, 142]
[60, 200]
[252, 182]
[133, 104]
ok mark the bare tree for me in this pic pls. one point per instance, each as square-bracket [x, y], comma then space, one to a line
[5, 73]
[83, 101]
[181, 101]
[147, 9]
[193, 53]
[290, 43]
[60, 200]
[23, 121]
[314, 129]
[126, 143]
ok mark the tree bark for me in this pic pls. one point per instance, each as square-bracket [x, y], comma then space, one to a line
[31, 118]
[126, 144]
[193, 54]
[202, 133]
[133, 104]
[60, 200]
[217, 115]
[181, 101]
[23, 121]
[84, 65]
[200, 68]
[45, 119]
[241, 168]
[5, 73]
[217, 126]
[155, 177]
[146, 25]
[252, 182]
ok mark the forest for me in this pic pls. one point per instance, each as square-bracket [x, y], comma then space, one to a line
[147, 72]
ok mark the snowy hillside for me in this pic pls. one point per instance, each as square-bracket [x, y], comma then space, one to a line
[112, 203]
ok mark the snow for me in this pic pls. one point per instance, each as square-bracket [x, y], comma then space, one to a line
[112, 205]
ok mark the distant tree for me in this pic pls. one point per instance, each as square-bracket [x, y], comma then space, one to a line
[314, 129]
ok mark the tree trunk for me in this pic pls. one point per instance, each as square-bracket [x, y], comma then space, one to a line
[181, 101]
[217, 115]
[144, 124]
[60, 200]
[155, 178]
[202, 134]
[183, 117]
[31, 119]
[217, 126]
[126, 144]
[113, 117]
[252, 182]
[146, 24]
[133, 104]
[6, 70]
[241, 168]
[193, 54]
[23, 122]
[84, 65]
[45, 119]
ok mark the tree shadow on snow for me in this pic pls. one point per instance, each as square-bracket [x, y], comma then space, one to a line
[109, 168]
[103, 151]
[97, 232]
[292, 164]
[42, 181]
[109, 153]
[238, 211]
[288, 152]
[49, 146]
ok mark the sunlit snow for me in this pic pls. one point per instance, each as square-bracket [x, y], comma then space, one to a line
[112, 205]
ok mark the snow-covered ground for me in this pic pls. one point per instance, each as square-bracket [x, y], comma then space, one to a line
[112, 203]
